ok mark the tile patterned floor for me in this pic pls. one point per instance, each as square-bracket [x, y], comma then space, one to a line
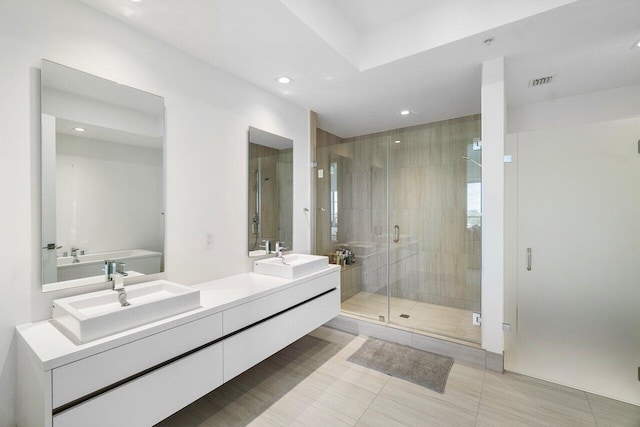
[310, 383]
[437, 319]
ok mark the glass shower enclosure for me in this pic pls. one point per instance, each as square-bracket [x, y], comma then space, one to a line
[407, 203]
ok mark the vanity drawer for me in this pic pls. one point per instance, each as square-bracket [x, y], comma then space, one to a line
[249, 347]
[246, 314]
[93, 373]
[151, 398]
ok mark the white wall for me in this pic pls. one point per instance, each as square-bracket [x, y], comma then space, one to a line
[493, 130]
[109, 195]
[208, 113]
[575, 110]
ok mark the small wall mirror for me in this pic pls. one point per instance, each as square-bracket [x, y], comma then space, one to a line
[270, 216]
[102, 177]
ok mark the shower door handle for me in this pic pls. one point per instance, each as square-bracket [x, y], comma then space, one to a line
[528, 259]
[396, 234]
[51, 246]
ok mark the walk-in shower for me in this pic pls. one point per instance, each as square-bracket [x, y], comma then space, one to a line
[407, 202]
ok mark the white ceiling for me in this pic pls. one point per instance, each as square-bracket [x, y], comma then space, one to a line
[367, 14]
[357, 63]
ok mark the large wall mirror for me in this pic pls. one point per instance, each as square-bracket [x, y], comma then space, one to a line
[102, 177]
[270, 191]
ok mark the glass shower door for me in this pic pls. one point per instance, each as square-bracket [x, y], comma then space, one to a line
[434, 175]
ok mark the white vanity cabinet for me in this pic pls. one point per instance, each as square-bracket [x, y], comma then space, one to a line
[142, 378]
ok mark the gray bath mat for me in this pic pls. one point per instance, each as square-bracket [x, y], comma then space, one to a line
[420, 367]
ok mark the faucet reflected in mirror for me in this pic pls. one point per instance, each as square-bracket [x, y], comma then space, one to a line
[279, 248]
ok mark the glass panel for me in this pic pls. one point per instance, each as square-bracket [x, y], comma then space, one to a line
[434, 267]
[351, 218]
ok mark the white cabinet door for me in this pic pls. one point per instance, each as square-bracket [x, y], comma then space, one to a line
[250, 347]
[151, 398]
[579, 213]
[243, 315]
[85, 376]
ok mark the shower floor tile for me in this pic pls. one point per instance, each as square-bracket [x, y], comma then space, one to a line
[432, 318]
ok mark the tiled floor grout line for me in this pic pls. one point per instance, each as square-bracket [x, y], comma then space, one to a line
[484, 374]
[373, 400]
[595, 420]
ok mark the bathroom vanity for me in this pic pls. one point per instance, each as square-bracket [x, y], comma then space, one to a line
[142, 375]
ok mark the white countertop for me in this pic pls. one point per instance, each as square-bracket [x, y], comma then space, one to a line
[51, 348]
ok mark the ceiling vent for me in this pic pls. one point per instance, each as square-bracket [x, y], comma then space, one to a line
[540, 81]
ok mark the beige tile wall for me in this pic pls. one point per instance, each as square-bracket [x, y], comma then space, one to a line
[276, 223]
[284, 169]
[437, 259]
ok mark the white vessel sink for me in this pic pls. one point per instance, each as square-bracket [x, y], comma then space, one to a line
[98, 314]
[294, 265]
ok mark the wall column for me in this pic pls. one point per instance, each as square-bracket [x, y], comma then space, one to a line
[493, 134]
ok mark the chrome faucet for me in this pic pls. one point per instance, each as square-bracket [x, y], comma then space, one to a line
[266, 245]
[114, 273]
[279, 249]
[74, 254]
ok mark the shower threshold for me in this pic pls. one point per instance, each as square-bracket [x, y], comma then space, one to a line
[448, 323]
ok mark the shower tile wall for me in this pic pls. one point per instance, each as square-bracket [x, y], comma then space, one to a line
[285, 195]
[276, 166]
[437, 259]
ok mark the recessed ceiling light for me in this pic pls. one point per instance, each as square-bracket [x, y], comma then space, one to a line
[405, 112]
[284, 80]
[79, 129]
[136, 1]
[397, 141]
